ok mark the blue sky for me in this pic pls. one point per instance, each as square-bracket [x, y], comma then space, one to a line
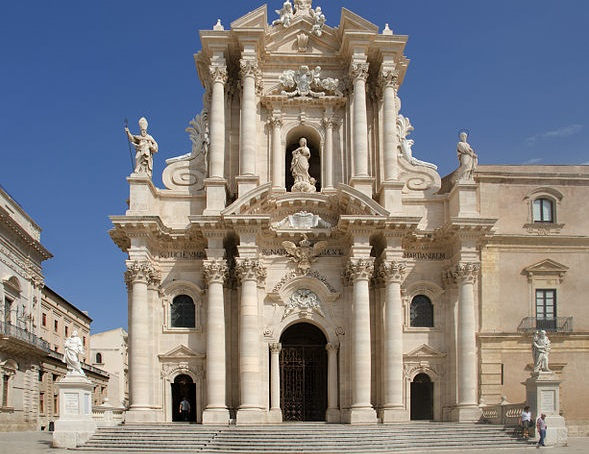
[512, 72]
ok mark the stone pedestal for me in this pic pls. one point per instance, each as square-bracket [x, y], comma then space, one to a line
[543, 396]
[75, 424]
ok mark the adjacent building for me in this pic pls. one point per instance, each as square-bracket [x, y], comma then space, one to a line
[34, 322]
[109, 353]
[300, 264]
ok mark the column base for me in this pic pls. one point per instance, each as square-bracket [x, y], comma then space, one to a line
[250, 416]
[394, 414]
[275, 416]
[333, 416]
[216, 191]
[390, 196]
[363, 184]
[246, 183]
[141, 415]
[215, 416]
[363, 415]
[466, 413]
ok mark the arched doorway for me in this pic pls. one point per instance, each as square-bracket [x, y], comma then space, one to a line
[303, 373]
[422, 398]
[182, 387]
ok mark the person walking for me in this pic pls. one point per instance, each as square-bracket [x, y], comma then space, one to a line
[541, 426]
[185, 409]
[525, 422]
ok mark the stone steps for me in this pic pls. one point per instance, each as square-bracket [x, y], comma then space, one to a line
[301, 438]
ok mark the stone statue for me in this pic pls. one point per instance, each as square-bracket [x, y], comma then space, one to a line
[286, 13]
[317, 28]
[467, 157]
[307, 82]
[302, 7]
[299, 167]
[541, 349]
[303, 254]
[404, 128]
[145, 147]
[73, 347]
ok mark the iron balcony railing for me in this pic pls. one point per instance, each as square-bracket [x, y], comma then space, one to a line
[555, 324]
[22, 334]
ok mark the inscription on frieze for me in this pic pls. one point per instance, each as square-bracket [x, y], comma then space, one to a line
[424, 255]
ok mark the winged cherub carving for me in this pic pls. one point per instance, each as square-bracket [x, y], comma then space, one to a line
[303, 254]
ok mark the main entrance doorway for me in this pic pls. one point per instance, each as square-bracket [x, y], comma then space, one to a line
[303, 373]
[422, 398]
[183, 387]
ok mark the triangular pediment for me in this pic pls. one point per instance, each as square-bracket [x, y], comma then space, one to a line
[546, 266]
[283, 41]
[424, 351]
[351, 21]
[181, 353]
[257, 18]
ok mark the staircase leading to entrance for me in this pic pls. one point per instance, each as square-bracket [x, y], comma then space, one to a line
[301, 438]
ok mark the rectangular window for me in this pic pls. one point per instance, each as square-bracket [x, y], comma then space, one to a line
[84, 341]
[44, 319]
[542, 210]
[42, 403]
[55, 325]
[5, 379]
[65, 331]
[546, 309]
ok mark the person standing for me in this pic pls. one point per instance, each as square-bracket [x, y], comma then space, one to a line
[526, 422]
[541, 426]
[185, 409]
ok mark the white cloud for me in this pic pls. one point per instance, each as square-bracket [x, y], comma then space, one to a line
[562, 132]
[533, 161]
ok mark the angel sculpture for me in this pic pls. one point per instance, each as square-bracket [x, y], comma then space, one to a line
[303, 254]
[285, 13]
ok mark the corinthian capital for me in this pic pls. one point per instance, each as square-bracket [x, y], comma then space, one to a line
[250, 270]
[393, 272]
[275, 347]
[462, 273]
[359, 71]
[275, 120]
[215, 270]
[388, 78]
[248, 67]
[218, 73]
[360, 268]
[141, 272]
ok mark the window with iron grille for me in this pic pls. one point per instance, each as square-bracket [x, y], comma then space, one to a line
[421, 312]
[182, 312]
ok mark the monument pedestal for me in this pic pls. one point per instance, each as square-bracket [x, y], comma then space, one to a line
[543, 396]
[75, 424]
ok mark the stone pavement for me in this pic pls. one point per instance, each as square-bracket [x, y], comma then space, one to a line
[40, 442]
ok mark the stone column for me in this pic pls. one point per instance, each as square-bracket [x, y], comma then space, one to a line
[250, 272]
[327, 162]
[275, 410]
[139, 276]
[278, 154]
[359, 74]
[333, 413]
[217, 122]
[216, 412]
[466, 358]
[359, 271]
[389, 124]
[393, 406]
[247, 179]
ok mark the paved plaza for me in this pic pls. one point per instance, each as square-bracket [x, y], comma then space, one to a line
[40, 442]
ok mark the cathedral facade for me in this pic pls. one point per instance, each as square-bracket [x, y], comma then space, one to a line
[301, 264]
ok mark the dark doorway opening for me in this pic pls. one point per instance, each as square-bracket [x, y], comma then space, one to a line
[303, 373]
[182, 387]
[422, 398]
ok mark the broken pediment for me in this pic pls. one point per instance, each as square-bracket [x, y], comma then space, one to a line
[257, 18]
[351, 21]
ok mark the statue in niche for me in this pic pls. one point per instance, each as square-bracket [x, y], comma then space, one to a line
[286, 14]
[317, 28]
[467, 157]
[303, 254]
[541, 349]
[299, 167]
[145, 148]
[73, 347]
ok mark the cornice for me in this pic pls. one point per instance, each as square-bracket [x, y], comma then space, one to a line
[22, 234]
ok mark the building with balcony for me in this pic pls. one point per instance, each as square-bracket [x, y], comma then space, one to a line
[300, 264]
[34, 322]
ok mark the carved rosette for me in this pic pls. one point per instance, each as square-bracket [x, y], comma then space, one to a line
[359, 71]
[462, 273]
[250, 270]
[359, 269]
[392, 272]
[141, 272]
[218, 74]
[275, 347]
[215, 271]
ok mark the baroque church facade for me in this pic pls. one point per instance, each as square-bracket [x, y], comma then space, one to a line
[301, 265]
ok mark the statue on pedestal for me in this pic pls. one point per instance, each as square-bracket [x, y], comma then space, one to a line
[145, 147]
[299, 167]
[73, 347]
[541, 349]
[467, 157]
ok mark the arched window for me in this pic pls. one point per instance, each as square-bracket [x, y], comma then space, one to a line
[543, 210]
[98, 358]
[182, 312]
[421, 312]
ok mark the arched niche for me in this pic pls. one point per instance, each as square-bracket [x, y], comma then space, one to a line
[314, 143]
